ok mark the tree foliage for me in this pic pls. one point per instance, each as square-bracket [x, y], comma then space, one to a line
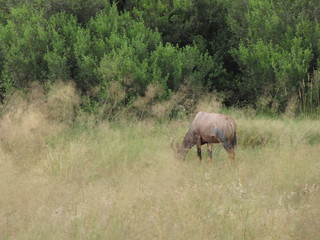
[278, 48]
[261, 53]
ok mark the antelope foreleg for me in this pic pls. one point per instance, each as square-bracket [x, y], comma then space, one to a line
[199, 148]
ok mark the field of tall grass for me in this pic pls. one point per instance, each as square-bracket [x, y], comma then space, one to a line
[121, 180]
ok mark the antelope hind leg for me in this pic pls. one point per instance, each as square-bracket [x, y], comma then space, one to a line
[209, 150]
[231, 155]
[230, 150]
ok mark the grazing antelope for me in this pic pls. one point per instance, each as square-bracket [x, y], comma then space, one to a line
[210, 128]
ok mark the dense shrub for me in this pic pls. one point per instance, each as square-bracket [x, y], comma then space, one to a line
[278, 45]
[23, 45]
[256, 53]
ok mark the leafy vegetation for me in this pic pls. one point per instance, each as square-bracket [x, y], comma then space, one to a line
[255, 53]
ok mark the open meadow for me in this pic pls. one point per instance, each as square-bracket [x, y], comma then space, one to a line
[121, 180]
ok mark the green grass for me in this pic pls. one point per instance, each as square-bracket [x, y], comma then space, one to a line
[122, 181]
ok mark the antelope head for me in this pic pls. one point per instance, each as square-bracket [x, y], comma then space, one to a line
[179, 150]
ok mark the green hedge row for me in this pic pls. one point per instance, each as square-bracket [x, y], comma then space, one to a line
[259, 53]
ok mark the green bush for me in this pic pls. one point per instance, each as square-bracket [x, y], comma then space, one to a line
[23, 41]
[62, 30]
[256, 53]
[278, 48]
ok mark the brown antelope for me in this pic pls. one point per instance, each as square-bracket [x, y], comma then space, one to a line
[210, 128]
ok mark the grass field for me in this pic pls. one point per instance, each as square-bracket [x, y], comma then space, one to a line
[122, 181]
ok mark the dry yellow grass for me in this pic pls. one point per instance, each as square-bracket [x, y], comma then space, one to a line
[121, 181]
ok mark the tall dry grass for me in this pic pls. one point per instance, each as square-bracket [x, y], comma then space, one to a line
[121, 180]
